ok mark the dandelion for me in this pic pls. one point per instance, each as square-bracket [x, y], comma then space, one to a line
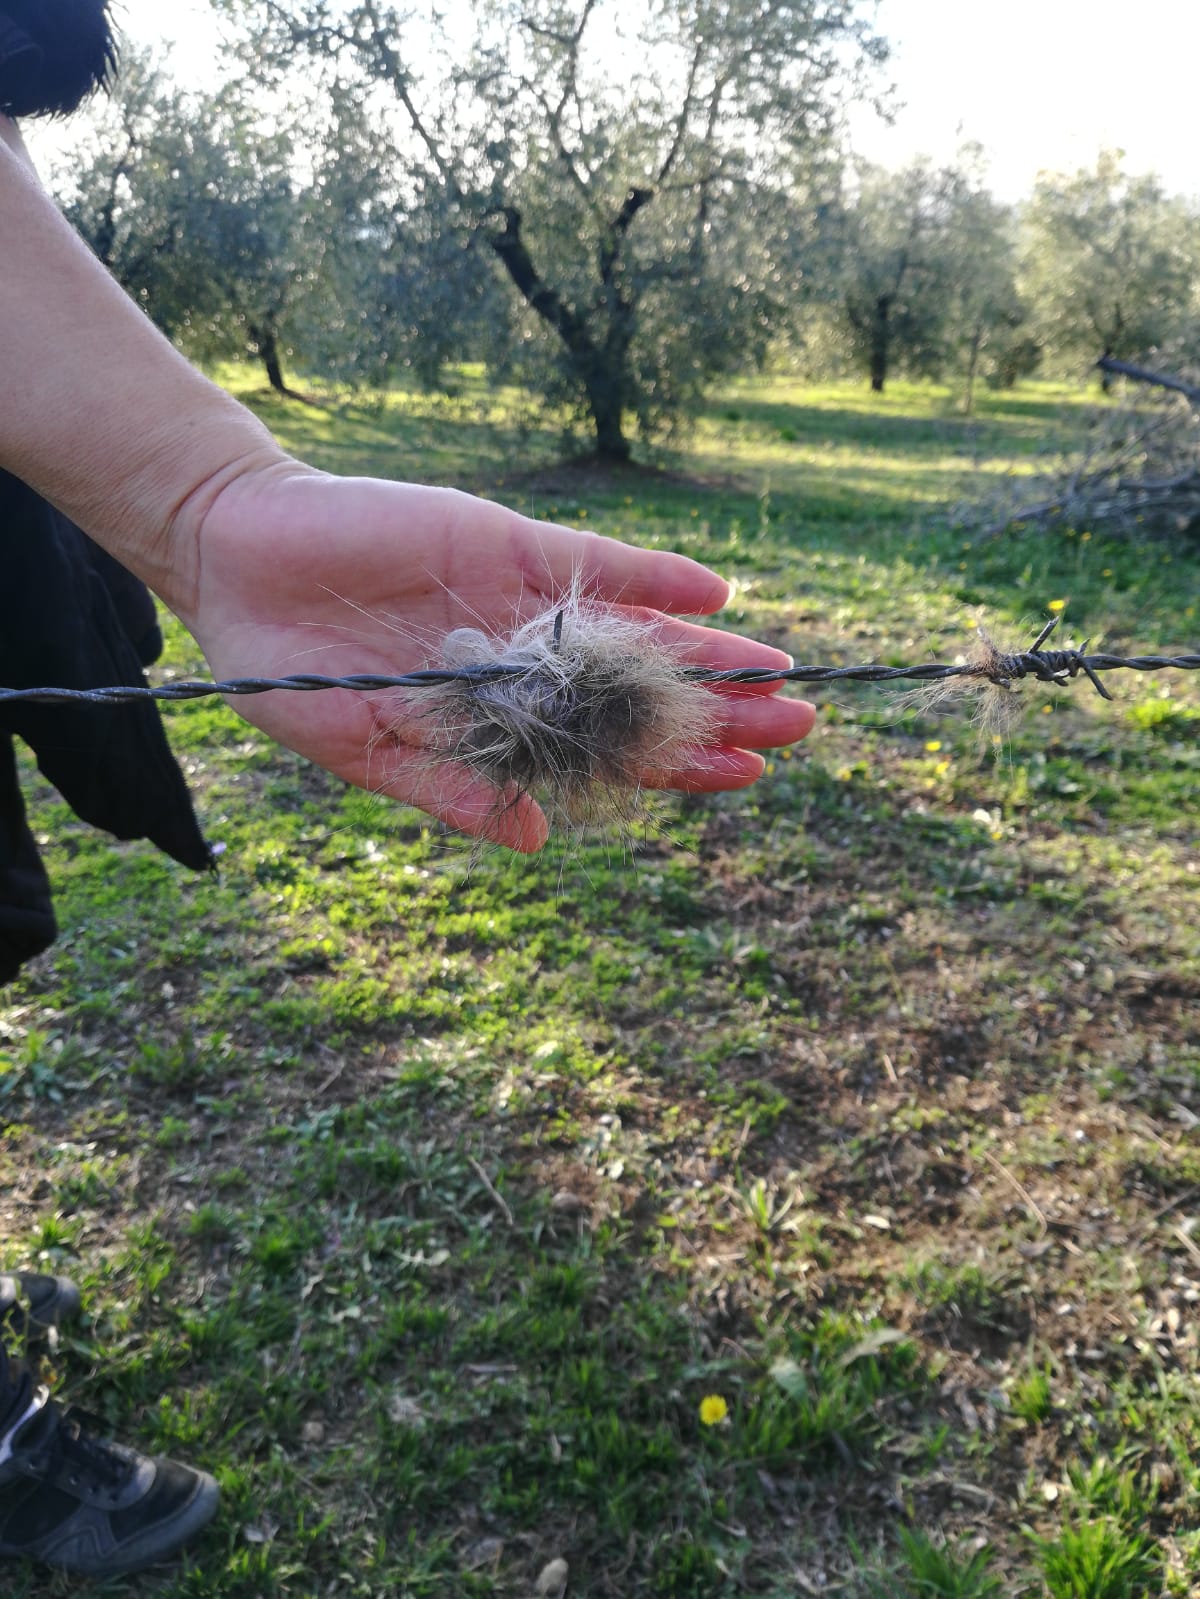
[933, 745]
[1056, 606]
[713, 1410]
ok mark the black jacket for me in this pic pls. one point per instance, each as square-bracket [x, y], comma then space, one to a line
[70, 617]
[53, 53]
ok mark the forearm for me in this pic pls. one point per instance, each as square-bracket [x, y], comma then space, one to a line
[98, 411]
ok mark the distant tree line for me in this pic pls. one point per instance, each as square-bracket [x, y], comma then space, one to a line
[616, 241]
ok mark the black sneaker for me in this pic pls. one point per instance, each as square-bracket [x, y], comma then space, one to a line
[71, 1501]
[31, 1303]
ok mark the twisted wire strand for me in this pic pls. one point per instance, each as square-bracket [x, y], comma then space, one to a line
[1059, 667]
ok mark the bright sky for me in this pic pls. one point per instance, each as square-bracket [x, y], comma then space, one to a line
[1044, 84]
[1039, 83]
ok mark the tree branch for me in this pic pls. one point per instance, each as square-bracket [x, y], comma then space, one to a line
[1143, 374]
[510, 247]
[684, 117]
[394, 75]
[582, 180]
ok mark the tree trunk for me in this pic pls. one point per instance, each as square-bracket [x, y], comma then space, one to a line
[973, 368]
[881, 338]
[267, 347]
[598, 368]
[604, 402]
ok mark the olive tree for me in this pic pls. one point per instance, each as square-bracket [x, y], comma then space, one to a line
[239, 236]
[1109, 265]
[925, 272]
[609, 155]
[195, 210]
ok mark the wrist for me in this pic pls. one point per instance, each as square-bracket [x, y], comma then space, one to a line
[162, 509]
[226, 513]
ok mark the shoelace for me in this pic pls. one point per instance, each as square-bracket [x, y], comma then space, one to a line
[61, 1435]
[70, 1437]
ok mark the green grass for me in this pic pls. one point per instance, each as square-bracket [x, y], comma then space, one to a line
[426, 1205]
[926, 1569]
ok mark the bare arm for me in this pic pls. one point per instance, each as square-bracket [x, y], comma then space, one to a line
[98, 411]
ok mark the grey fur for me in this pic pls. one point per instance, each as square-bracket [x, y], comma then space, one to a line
[596, 701]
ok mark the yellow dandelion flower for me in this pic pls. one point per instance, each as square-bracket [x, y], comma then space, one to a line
[713, 1410]
[933, 745]
[1057, 605]
[942, 768]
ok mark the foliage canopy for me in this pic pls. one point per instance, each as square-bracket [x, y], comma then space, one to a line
[612, 160]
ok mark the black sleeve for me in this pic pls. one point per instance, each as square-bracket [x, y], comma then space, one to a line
[53, 54]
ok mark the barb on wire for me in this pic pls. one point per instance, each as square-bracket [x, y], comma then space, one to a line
[1047, 666]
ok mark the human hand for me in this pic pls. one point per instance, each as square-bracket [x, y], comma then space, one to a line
[296, 571]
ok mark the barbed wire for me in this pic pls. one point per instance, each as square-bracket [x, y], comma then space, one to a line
[1058, 667]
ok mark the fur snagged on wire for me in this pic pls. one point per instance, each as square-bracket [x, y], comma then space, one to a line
[588, 701]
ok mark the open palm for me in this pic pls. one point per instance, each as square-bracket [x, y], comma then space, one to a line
[301, 572]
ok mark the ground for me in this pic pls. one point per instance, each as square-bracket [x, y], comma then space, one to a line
[799, 1199]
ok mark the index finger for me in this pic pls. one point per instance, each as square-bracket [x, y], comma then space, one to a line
[553, 560]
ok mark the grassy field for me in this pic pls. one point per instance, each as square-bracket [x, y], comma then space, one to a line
[803, 1202]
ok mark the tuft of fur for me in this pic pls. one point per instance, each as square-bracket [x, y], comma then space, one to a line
[997, 706]
[591, 699]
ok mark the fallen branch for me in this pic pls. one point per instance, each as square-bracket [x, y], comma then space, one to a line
[1136, 471]
[1143, 374]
